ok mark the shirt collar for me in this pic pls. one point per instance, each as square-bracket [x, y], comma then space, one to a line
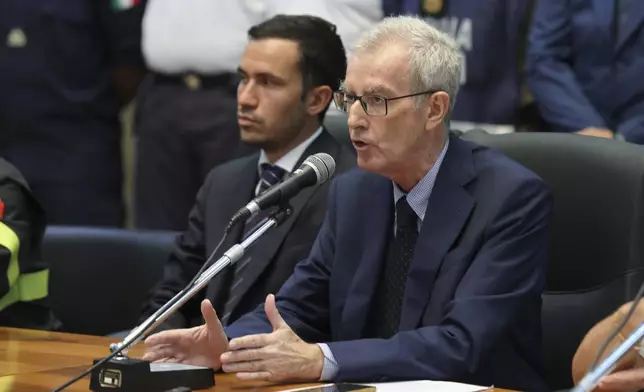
[290, 159]
[418, 196]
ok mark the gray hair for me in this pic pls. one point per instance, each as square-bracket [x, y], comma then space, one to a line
[435, 58]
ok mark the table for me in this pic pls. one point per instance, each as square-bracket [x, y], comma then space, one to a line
[35, 361]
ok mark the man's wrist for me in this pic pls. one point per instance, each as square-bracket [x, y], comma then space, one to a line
[317, 362]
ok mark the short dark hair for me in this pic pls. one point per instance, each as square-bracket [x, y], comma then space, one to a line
[323, 61]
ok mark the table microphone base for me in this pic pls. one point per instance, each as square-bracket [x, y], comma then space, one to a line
[135, 375]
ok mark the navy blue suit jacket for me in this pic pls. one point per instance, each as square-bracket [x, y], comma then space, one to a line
[581, 74]
[472, 304]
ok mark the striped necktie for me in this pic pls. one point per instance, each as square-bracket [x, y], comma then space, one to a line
[271, 175]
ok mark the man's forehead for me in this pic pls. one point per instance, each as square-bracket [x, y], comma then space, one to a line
[377, 76]
[270, 56]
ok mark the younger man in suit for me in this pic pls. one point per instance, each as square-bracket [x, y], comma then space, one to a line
[288, 72]
[431, 261]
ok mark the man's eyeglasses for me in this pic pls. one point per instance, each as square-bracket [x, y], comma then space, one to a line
[373, 105]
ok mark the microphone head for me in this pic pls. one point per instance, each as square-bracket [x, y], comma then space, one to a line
[323, 164]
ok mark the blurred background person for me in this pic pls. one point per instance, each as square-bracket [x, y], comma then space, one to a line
[585, 64]
[186, 121]
[24, 275]
[66, 68]
[491, 36]
[352, 18]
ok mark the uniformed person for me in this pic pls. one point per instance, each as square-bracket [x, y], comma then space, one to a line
[584, 67]
[491, 36]
[23, 274]
[187, 108]
[66, 67]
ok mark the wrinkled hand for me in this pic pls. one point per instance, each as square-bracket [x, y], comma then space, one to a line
[278, 356]
[623, 381]
[597, 132]
[199, 346]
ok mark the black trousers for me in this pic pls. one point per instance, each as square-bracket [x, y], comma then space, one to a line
[182, 133]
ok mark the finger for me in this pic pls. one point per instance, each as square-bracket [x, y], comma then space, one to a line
[251, 341]
[623, 380]
[165, 337]
[251, 366]
[273, 314]
[159, 353]
[209, 315]
[254, 376]
[244, 355]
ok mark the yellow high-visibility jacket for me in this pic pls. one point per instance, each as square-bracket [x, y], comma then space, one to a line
[24, 276]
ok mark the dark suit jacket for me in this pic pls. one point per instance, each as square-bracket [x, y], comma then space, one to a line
[580, 74]
[228, 188]
[472, 305]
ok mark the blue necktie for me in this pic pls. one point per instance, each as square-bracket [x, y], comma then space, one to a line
[271, 175]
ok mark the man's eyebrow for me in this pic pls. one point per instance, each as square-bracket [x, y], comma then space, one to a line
[377, 89]
[264, 74]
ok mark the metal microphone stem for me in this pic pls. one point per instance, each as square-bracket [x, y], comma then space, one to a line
[231, 256]
[591, 379]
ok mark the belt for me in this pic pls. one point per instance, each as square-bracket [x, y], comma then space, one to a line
[194, 81]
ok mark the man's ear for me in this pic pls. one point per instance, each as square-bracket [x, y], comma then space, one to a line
[317, 99]
[438, 108]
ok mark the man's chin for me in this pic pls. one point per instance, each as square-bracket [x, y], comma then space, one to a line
[253, 140]
[368, 164]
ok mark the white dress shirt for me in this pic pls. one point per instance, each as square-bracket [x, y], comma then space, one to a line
[352, 17]
[204, 36]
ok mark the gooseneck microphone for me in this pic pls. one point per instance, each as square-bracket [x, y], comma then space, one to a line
[315, 170]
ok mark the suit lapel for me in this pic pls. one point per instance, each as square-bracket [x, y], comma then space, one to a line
[377, 225]
[242, 183]
[634, 21]
[263, 252]
[447, 212]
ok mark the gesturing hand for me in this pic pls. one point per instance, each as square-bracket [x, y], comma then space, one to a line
[200, 346]
[277, 356]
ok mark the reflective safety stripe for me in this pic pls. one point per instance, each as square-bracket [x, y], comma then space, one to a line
[22, 287]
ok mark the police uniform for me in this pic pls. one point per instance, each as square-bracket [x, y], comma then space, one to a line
[23, 275]
[585, 63]
[59, 119]
[489, 34]
[187, 108]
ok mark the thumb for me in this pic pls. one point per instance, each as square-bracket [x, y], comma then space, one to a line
[209, 315]
[273, 314]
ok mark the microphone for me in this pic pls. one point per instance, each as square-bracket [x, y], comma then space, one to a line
[315, 170]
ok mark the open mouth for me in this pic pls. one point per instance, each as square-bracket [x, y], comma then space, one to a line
[359, 144]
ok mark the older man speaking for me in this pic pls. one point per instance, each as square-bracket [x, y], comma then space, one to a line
[431, 261]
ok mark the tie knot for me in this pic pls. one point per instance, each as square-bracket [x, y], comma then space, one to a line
[271, 175]
[405, 216]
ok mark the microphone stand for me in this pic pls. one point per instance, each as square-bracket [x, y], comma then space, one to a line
[104, 379]
[590, 380]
